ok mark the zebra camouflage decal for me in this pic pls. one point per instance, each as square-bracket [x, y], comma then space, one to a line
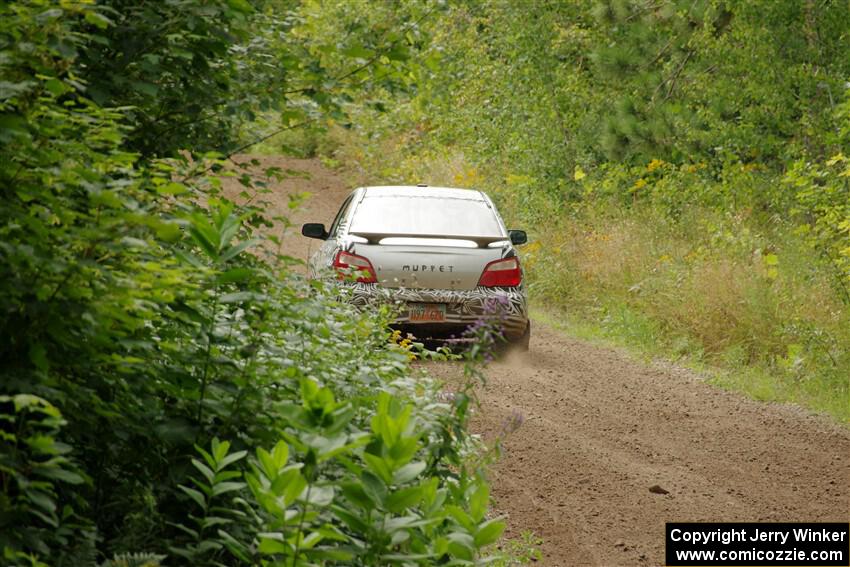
[463, 307]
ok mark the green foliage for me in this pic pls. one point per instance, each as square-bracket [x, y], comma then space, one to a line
[38, 509]
[682, 162]
[154, 337]
[823, 203]
[344, 494]
[748, 81]
[171, 67]
[633, 80]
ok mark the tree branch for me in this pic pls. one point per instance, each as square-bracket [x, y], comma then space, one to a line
[244, 147]
[372, 60]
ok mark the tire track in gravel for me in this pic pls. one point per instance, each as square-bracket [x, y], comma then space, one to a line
[601, 429]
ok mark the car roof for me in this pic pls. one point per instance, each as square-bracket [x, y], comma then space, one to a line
[423, 191]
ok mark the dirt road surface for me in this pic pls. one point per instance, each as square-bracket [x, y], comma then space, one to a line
[601, 429]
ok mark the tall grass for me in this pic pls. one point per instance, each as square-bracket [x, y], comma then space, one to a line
[728, 287]
[720, 290]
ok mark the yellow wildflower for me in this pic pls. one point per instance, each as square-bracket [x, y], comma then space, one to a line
[579, 174]
[836, 158]
[654, 164]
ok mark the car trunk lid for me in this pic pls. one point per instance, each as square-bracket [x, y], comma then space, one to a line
[433, 266]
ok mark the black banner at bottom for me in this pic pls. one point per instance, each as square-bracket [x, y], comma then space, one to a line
[745, 544]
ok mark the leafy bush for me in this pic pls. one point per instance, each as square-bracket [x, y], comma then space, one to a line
[40, 510]
[683, 164]
[823, 204]
[169, 391]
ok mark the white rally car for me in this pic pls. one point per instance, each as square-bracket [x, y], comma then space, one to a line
[443, 254]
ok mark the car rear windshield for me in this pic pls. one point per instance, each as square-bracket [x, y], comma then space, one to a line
[401, 214]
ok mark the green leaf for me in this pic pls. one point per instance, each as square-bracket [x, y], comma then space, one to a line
[97, 19]
[202, 239]
[235, 547]
[235, 275]
[219, 451]
[189, 531]
[234, 251]
[194, 495]
[241, 6]
[42, 500]
[207, 456]
[379, 466]
[205, 470]
[270, 467]
[167, 231]
[209, 545]
[333, 554]
[399, 52]
[38, 356]
[358, 51]
[56, 87]
[280, 454]
[461, 545]
[63, 475]
[210, 521]
[489, 532]
[479, 501]
[319, 496]
[224, 487]
[400, 500]
[460, 515]
[356, 495]
[172, 189]
[236, 297]
[146, 88]
[231, 458]
[49, 519]
[374, 487]
[350, 519]
[288, 485]
[269, 546]
[312, 539]
[409, 472]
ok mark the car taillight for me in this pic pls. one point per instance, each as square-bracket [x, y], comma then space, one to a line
[501, 273]
[358, 264]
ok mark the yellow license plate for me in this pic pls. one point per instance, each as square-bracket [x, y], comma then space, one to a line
[427, 312]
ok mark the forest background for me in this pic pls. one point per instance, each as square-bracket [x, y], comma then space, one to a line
[169, 388]
[680, 165]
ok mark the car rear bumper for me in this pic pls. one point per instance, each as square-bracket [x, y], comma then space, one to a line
[507, 306]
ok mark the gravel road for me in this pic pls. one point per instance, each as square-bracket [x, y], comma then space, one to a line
[601, 429]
